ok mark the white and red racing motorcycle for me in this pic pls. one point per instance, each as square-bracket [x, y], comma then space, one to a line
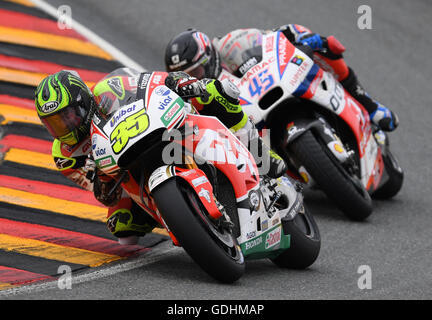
[322, 132]
[197, 180]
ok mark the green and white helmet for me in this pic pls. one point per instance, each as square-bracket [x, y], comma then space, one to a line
[65, 105]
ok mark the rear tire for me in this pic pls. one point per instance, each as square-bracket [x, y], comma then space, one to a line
[187, 219]
[331, 177]
[305, 242]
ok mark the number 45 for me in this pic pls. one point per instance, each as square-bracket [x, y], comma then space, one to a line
[260, 83]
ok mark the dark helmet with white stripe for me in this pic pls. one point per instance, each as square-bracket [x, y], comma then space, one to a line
[192, 52]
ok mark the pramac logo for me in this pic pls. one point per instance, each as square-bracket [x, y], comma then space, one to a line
[284, 52]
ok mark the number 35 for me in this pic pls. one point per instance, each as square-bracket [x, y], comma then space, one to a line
[129, 128]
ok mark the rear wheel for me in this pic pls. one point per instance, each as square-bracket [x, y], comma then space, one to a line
[305, 242]
[346, 191]
[212, 247]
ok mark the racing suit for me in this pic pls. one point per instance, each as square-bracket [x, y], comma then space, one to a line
[125, 218]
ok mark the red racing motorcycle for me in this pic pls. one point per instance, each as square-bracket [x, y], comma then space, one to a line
[200, 183]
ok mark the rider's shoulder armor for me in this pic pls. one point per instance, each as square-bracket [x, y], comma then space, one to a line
[71, 160]
[67, 157]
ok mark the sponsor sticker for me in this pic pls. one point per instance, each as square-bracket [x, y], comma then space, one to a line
[205, 194]
[157, 79]
[169, 115]
[94, 142]
[253, 243]
[105, 162]
[158, 176]
[50, 106]
[187, 173]
[165, 103]
[162, 91]
[199, 181]
[275, 221]
[100, 152]
[86, 147]
[247, 65]
[283, 53]
[264, 225]
[297, 60]
[144, 81]
[269, 44]
[273, 238]
[120, 114]
[251, 234]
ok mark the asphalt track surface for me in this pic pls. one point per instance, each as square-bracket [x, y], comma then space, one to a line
[392, 61]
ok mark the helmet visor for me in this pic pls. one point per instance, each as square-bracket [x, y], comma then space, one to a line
[62, 124]
[198, 70]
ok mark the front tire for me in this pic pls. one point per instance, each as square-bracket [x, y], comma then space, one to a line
[395, 181]
[216, 251]
[352, 199]
[305, 242]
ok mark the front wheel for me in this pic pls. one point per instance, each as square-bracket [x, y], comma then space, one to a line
[345, 191]
[395, 178]
[213, 248]
[305, 242]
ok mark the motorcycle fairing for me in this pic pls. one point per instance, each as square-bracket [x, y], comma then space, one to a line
[213, 142]
[203, 188]
[284, 65]
[331, 94]
[126, 126]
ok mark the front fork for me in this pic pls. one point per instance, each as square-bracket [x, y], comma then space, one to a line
[328, 137]
[197, 180]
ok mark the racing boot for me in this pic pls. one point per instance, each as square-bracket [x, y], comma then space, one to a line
[128, 223]
[383, 117]
[268, 162]
[386, 119]
[276, 165]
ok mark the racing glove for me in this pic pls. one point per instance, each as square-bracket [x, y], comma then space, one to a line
[319, 43]
[313, 40]
[102, 189]
[185, 85]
